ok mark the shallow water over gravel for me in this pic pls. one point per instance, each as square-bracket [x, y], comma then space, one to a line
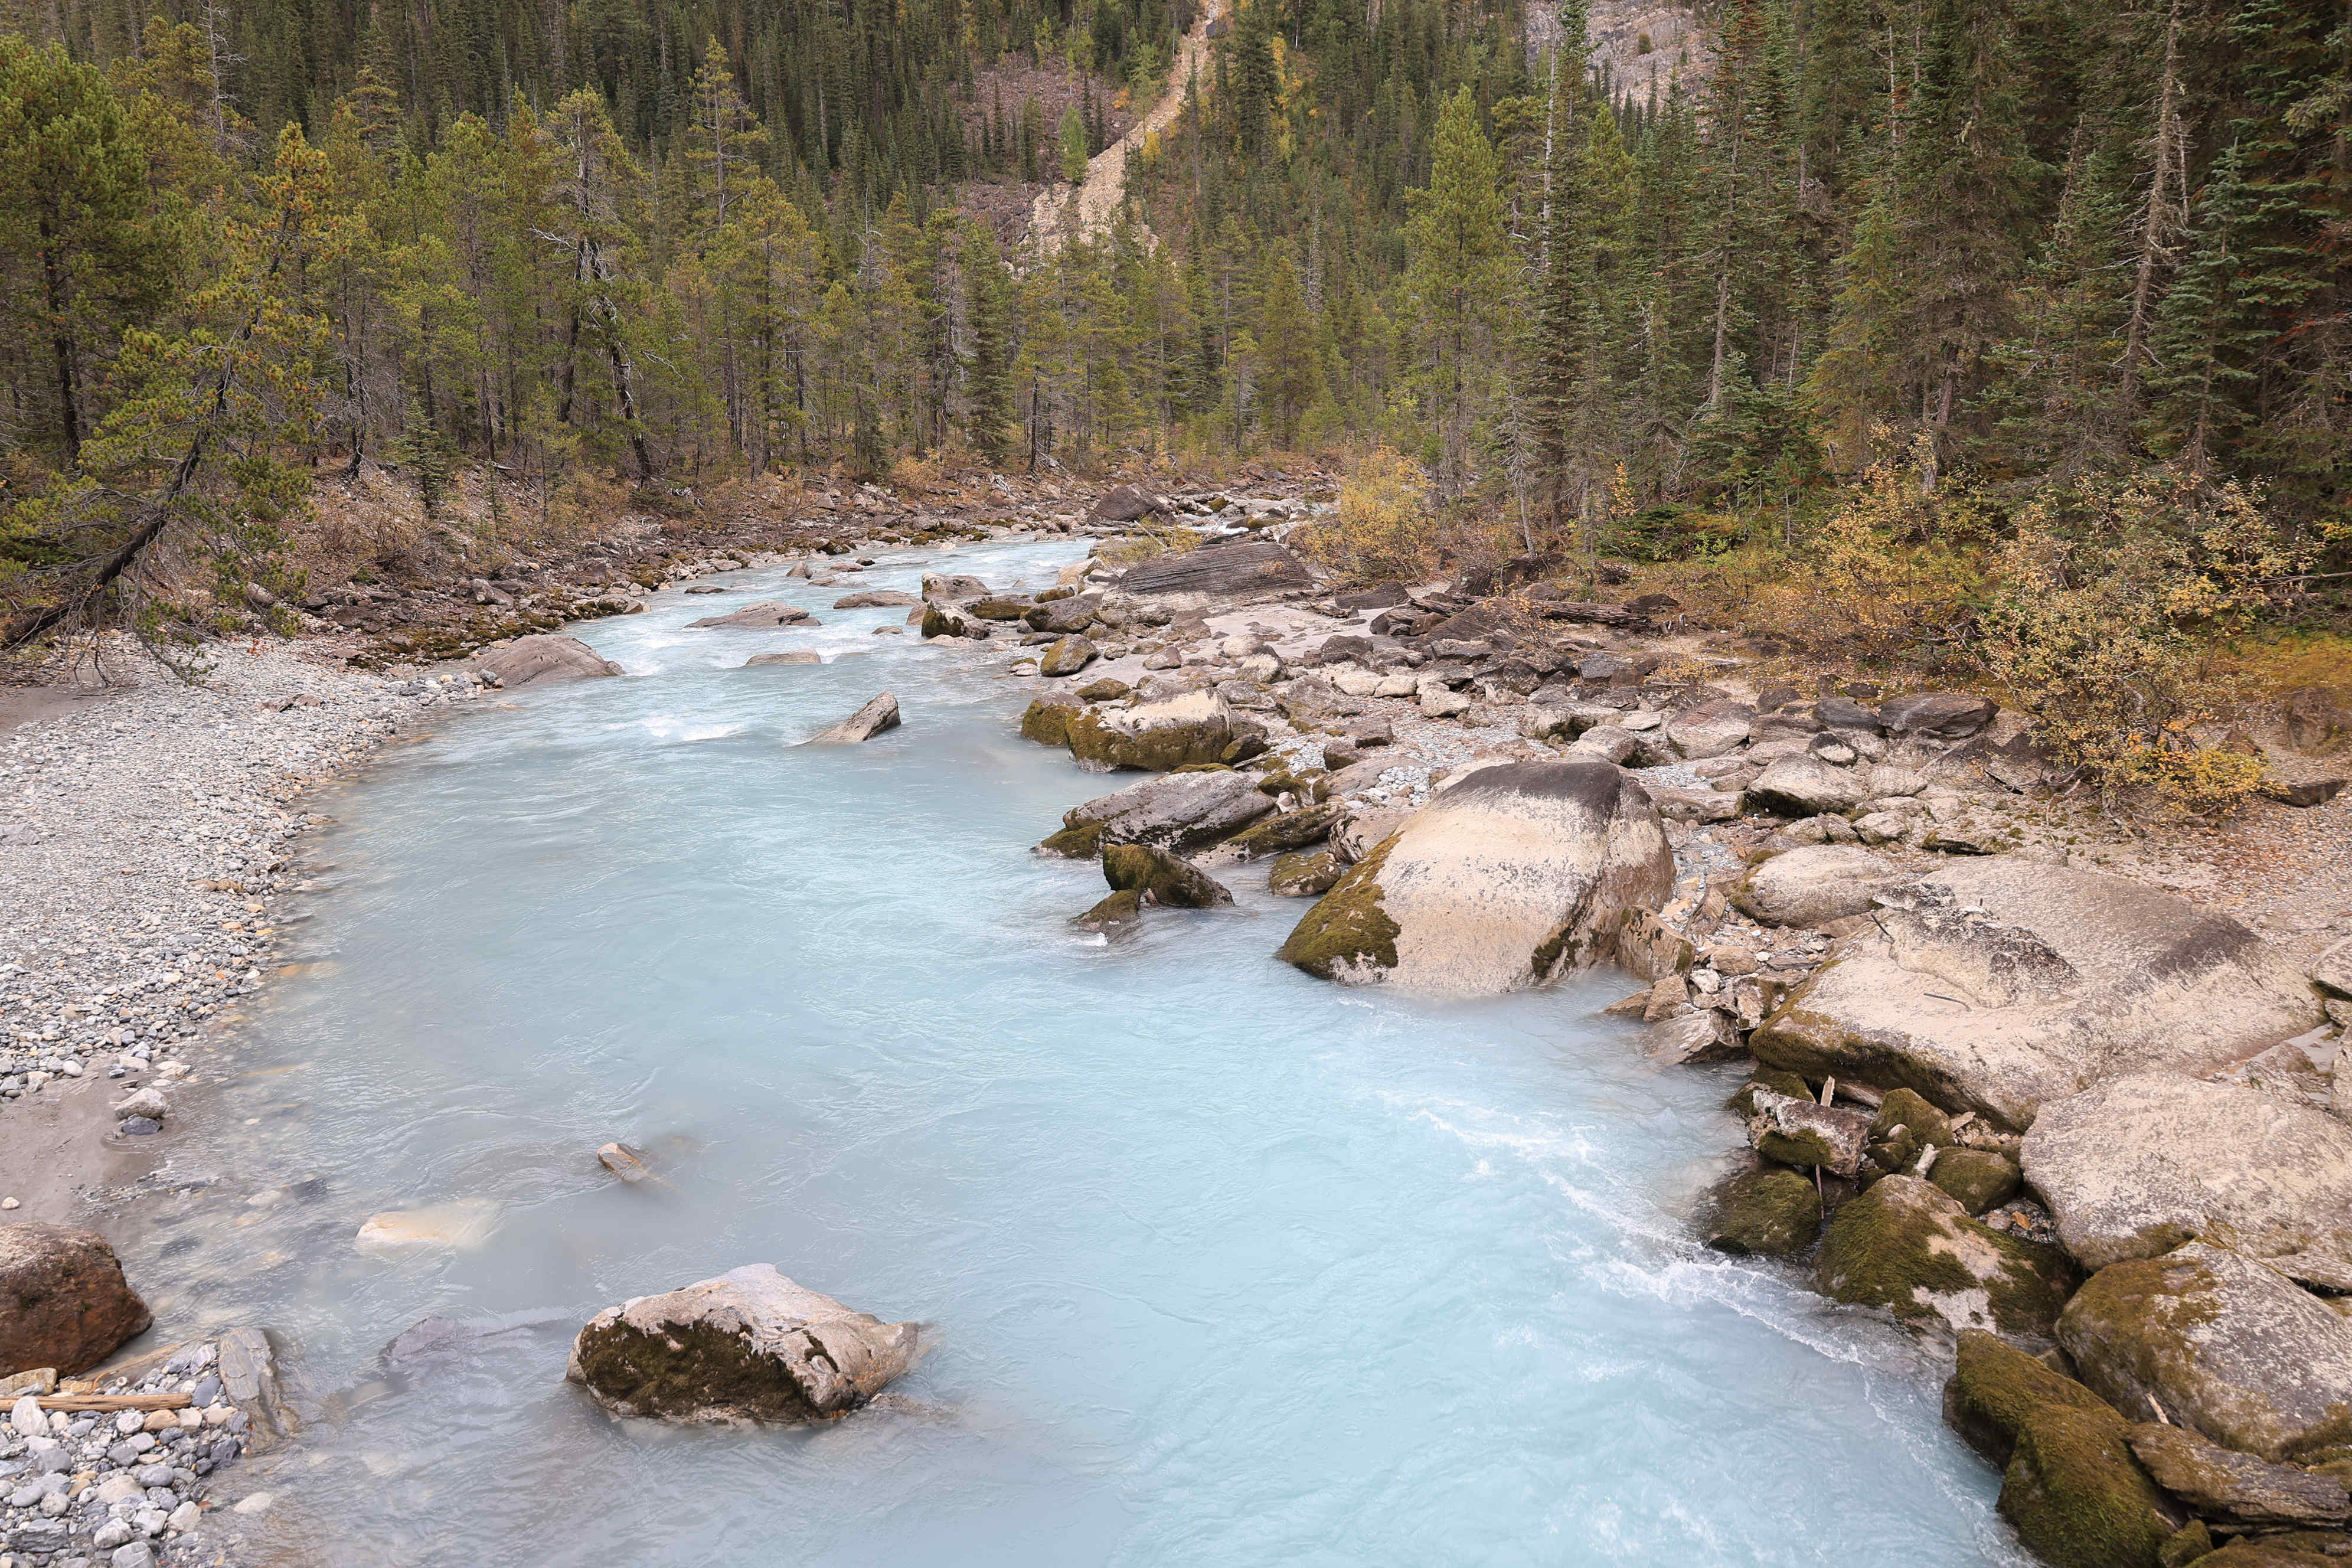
[1225, 1265]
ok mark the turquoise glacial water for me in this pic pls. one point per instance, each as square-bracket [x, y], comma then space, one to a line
[1221, 1265]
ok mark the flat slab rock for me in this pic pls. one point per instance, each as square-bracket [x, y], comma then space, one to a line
[1182, 812]
[2133, 1166]
[2221, 1483]
[1513, 876]
[1245, 567]
[878, 715]
[2224, 1344]
[748, 1346]
[2000, 985]
[541, 657]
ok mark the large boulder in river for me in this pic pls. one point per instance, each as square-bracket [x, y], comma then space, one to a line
[1511, 878]
[1157, 878]
[541, 657]
[1906, 1247]
[2136, 1165]
[880, 714]
[64, 1303]
[1173, 732]
[1808, 887]
[2221, 1343]
[765, 615]
[1996, 985]
[1181, 811]
[749, 1346]
[1761, 1211]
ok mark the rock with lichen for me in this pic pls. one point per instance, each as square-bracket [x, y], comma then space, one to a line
[1912, 1249]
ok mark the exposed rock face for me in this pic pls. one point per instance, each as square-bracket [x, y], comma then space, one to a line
[63, 1300]
[2137, 1165]
[748, 1346]
[2226, 1345]
[1181, 811]
[880, 714]
[1807, 786]
[1511, 878]
[1195, 727]
[1999, 985]
[1242, 568]
[1817, 884]
[1908, 1247]
[1762, 1212]
[541, 656]
[768, 614]
[2236, 1489]
[2332, 970]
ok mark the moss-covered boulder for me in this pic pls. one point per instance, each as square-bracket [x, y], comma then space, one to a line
[1162, 879]
[1994, 1386]
[1762, 1212]
[2221, 1343]
[1104, 689]
[2298, 1549]
[1908, 1247]
[1906, 1109]
[1517, 875]
[1122, 907]
[1083, 842]
[1980, 1179]
[1194, 727]
[1067, 656]
[1048, 718]
[1796, 1130]
[748, 1346]
[1000, 607]
[2077, 1497]
[1305, 874]
[2235, 1488]
[1290, 830]
[1772, 1080]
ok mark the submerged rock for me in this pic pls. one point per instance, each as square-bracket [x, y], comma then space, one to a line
[64, 1303]
[877, 716]
[748, 1346]
[798, 655]
[464, 1223]
[2133, 1166]
[543, 657]
[1515, 875]
[1908, 1247]
[1811, 887]
[875, 599]
[2000, 986]
[2221, 1343]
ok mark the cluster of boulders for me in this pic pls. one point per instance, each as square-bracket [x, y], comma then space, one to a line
[113, 1466]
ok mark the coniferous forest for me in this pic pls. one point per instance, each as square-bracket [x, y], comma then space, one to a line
[2021, 248]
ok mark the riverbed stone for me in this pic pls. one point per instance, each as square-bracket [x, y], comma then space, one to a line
[1176, 732]
[1763, 1211]
[2224, 1343]
[2136, 1165]
[1159, 878]
[1806, 786]
[541, 657]
[765, 615]
[748, 1346]
[877, 716]
[1710, 729]
[1067, 656]
[1937, 715]
[1912, 1249]
[1181, 811]
[875, 599]
[1289, 831]
[1809, 886]
[1515, 874]
[2000, 986]
[797, 656]
[64, 1303]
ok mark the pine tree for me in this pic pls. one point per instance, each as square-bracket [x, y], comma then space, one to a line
[1458, 267]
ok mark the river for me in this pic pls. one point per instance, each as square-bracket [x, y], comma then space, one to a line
[1221, 1264]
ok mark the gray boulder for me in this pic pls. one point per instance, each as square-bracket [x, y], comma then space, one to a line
[1807, 786]
[1710, 729]
[1512, 877]
[543, 657]
[765, 615]
[1563, 721]
[1996, 985]
[1809, 886]
[2133, 1166]
[1937, 715]
[1243, 569]
[2221, 1343]
[1181, 811]
[868, 721]
[1126, 503]
[1067, 656]
[948, 588]
[875, 599]
[750, 1346]
[1059, 617]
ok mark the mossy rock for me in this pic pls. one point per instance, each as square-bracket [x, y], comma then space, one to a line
[1290, 830]
[1979, 1178]
[1762, 1212]
[1347, 929]
[1080, 843]
[998, 608]
[1910, 1248]
[1995, 1386]
[2189, 1544]
[1047, 722]
[2076, 1496]
[1110, 689]
[1907, 1108]
[1159, 878]
[2297, 1549]
[1122, 907]
[1772, 1079]
[950, 621]
[1165, 748]
[1305, 873]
